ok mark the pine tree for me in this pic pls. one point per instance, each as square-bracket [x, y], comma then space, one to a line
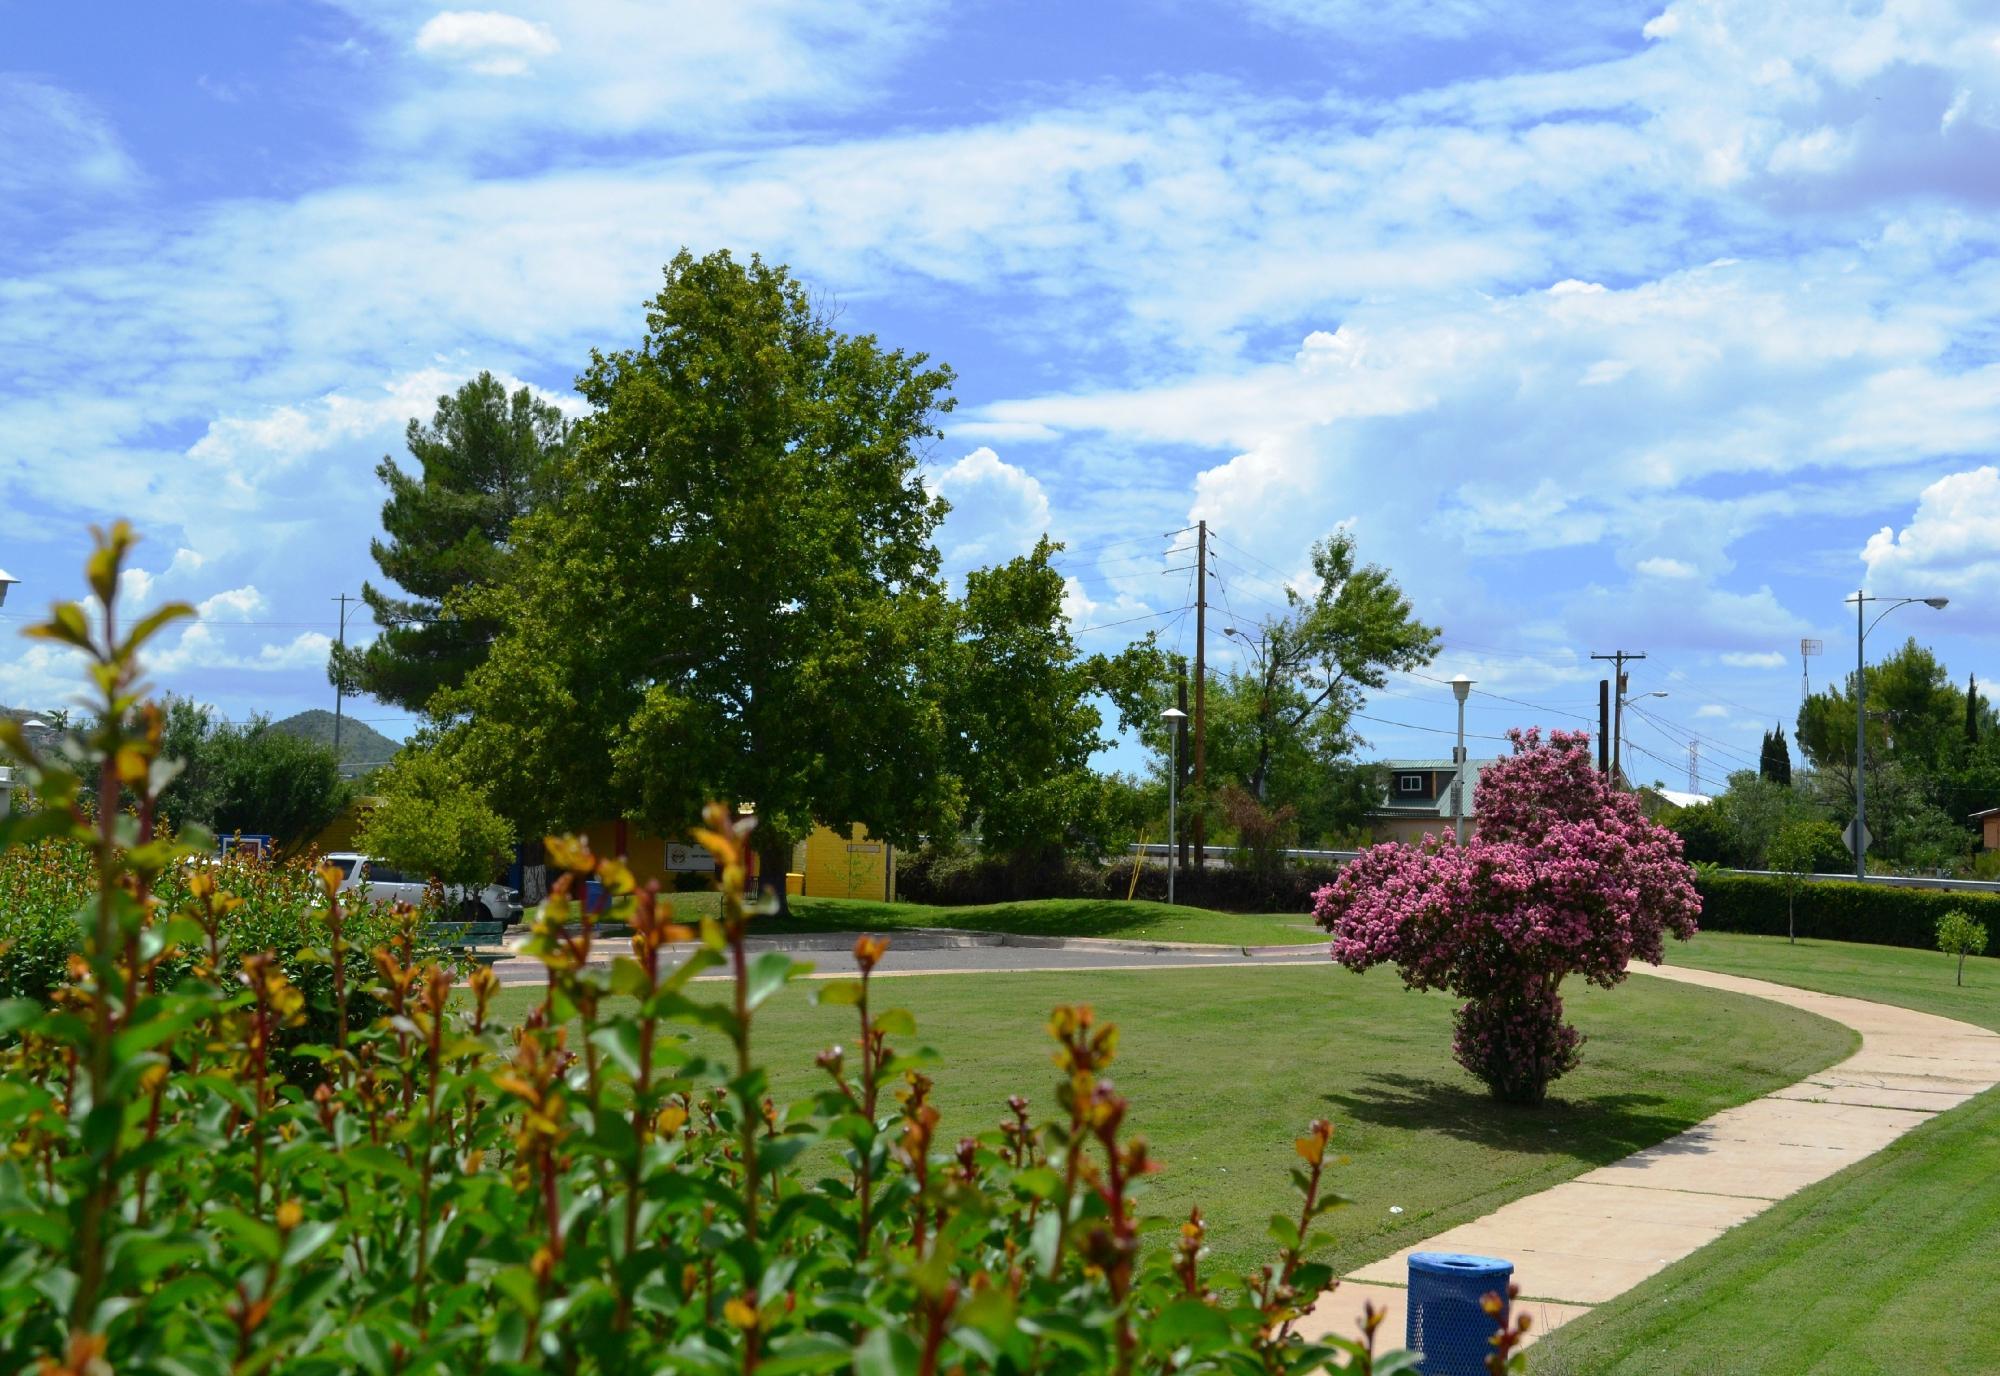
[485, 460]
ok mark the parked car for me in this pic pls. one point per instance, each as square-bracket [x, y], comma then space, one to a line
[383, 882]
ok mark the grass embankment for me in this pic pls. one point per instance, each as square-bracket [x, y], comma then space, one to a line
[1886, 1267]
[1092, 917]
[1225, 1068]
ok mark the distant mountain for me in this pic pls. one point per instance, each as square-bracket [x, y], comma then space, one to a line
[362, 747]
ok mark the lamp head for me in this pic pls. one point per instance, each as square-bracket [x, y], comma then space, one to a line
[1461, 687]
[1937, 603]
[7, 580]
[1173, 714]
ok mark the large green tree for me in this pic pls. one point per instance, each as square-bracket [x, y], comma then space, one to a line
[735, 593]
[486, 459]
[1279, 728]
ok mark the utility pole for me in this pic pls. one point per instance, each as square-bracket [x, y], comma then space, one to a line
[1604, 726]
[1180, 728]
[1620, 680]
[339, 681]
[1694, 766]
[1201, 693]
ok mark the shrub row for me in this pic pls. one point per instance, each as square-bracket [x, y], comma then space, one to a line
[956, 880]
[1833, 911]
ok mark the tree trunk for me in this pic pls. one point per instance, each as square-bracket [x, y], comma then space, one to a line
[774, 857]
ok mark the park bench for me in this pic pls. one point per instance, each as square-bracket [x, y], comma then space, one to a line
[466, 937]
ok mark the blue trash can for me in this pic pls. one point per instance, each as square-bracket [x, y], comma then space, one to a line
[594, 899]
[1447, 1322]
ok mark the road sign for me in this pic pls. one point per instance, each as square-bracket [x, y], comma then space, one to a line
[1867, 836]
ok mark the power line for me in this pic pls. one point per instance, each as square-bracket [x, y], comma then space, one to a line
[1434, 730]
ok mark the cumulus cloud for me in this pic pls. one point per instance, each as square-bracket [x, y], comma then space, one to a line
[1950, 546]
[485, 41]
[997, 510]
[1754, 659]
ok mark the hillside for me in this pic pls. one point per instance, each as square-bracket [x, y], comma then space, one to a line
[362, 747]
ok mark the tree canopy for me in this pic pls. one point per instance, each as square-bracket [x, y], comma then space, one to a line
[735, 591]
[432, 821]
[1279, 728]
[485, 460]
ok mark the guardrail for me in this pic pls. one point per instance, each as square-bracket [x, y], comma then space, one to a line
[1217, 855]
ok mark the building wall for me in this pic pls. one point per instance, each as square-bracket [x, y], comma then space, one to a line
[850, 866]
[1990, 829]
[1407, 829]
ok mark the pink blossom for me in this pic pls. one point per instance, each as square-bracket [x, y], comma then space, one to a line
[1563, 875]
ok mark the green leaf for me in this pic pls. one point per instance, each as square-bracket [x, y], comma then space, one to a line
[769, 973]
[886, 1353]
[308, 1238]
[1188, 1323]
[895, 1022]
[838, 993]
[254, 1235]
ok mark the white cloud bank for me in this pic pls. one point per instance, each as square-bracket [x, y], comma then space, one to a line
[486, 41]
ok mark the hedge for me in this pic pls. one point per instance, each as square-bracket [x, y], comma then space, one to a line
[1835, 911]
[957, 880]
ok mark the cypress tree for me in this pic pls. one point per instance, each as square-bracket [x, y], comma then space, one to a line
[1972, 709]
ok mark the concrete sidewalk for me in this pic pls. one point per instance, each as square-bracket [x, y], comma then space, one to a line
[1592, 1238]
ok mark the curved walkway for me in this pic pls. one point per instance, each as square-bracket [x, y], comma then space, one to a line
[1592, 1238]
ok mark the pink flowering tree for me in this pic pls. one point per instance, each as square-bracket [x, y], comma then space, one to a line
[1563, 875]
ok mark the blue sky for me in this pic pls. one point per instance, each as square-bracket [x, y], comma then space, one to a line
[1658, 326]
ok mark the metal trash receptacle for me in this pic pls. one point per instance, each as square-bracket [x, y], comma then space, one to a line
[1447, 1321]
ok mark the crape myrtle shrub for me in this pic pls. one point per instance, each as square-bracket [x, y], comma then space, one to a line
[587, 1192]
[1835, 911]
[1563, 875]
[956, 879]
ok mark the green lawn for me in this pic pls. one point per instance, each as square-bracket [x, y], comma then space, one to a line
[1098, 917]
[1884, 974]
[1225, 1068]
[1887, 1267]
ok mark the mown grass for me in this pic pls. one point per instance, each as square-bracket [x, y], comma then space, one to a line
[1225, 1068]
[1088, 917]
[1887, 1267]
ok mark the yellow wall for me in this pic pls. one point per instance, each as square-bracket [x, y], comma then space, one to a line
[851, 866]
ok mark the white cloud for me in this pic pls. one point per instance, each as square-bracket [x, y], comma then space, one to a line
[1754, 659]
[1661, 567]
[486, 41]
[997, 510]
[55, 143]
[1711, 711]
[234, 604]
[1950, 547]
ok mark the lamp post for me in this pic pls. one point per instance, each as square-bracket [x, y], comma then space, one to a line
[1173, 717]
[1862, 627]
[1461, 688]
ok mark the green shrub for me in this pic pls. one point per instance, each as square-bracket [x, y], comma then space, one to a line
[1832, 910]
[1958, 935]
[262, 904]
[586, 1193]
[959, 878]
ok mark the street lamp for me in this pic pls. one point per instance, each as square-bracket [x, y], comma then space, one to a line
[1173, 717]
[7, 580]
[1461, 688]
[1862, 627]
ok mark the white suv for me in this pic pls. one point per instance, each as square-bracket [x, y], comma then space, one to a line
[384, 883]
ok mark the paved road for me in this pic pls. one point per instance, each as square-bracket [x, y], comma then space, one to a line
[969, 953]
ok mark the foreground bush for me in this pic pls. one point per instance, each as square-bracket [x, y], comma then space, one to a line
[1563, 875]
[586, 1193]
